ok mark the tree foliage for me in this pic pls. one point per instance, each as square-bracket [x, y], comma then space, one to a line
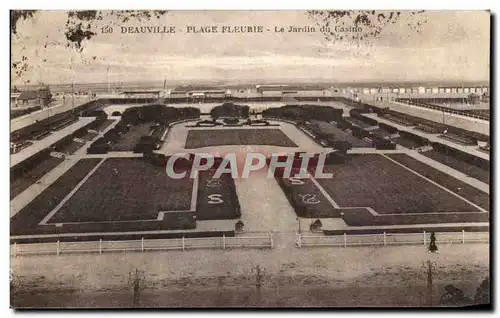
[79, 27]
[16, 15]
[482, 295]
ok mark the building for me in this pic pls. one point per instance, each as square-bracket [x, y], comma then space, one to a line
[43, 97]
[473, 99]
[178, 94]
[485, 98]
[14, 98]
[142, 94]
[264, 88]
[213, 93]
[299, 90]
[29, 98]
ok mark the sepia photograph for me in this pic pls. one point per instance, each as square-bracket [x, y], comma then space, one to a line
[250, 159]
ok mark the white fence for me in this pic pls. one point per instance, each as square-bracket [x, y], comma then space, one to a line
[101, 246]
[385, 239]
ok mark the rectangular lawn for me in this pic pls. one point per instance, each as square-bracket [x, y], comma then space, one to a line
[125, 189]
[377, 182]
[225, 137]
[28, 217]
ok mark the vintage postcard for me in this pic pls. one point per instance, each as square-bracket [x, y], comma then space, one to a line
[237, 159]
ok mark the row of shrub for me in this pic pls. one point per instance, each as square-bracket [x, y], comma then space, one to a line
[327, 138]
[14, 113]
[152, 141]
[37, 158]
[230, 110]
[57, 121]
[159, 115]
[462, 156]
[305, 112]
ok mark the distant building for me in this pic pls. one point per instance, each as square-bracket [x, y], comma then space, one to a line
[485, 98]
[473, 99]
[142, 94]
[178, 94]
[207, 93]
[34, 98]
[14, 98]
[263, 88]
[28, 98]
[302, 90]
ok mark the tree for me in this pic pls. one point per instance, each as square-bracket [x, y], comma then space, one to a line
[238, 227]
[483, 292]
[45, 96]
[136, 280]
[79, 27]
[316, 225]
[454, 296]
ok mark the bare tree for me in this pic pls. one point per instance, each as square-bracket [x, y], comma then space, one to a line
[136, 281]
[259, 275]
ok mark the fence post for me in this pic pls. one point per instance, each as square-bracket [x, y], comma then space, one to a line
[345, 239]
[425, 243]
[463, 236]
[385, 240]
[15, 249]
[142, 244]
[183, 244]
[271, 239]
[100, 246]
[57, 247]
[299, 243]
[224, 241]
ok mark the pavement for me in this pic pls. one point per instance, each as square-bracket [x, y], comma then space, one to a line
[464, 122]
[51, 139]
[473, 150]
[58, 107]
[28, 195]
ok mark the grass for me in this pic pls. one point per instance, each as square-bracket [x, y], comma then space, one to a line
[27, 219]
[298, 194]
[125, 189]
[211, 208]
[363, 217]
[128, 141]
[342, 135]
[29, 177]
[224, 137]
[375, 181]
[469, 192]
[460, 165]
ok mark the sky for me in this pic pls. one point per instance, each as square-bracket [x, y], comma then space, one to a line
[450, 46]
